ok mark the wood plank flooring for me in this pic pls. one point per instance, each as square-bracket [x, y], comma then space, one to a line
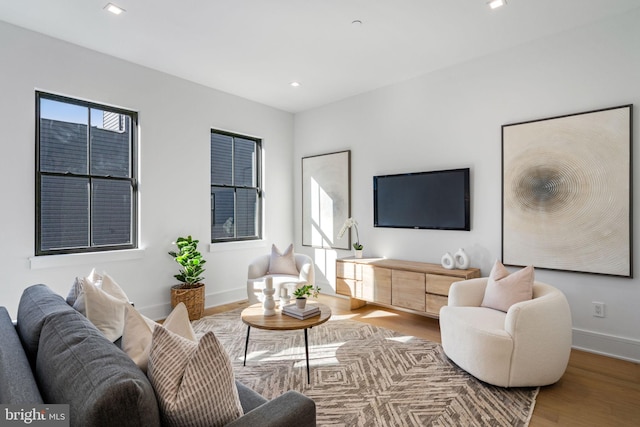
[594, 391]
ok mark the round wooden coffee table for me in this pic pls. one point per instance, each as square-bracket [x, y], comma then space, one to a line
[253, 316]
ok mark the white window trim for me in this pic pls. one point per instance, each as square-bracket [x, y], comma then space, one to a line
[85, 258]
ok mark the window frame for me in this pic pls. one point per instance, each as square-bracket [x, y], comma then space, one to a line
[132, 179]
[258, 188]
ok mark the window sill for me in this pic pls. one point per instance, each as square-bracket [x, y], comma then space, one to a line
[67, 260]
[237, 246]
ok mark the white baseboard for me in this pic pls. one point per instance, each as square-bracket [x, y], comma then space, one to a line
[225, 297]
[161, 311]
[607, 345]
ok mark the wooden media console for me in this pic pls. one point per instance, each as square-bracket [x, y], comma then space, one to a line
[417, 286]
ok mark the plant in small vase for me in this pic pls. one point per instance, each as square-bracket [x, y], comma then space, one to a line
[350, 222]
[304, 292]
[191, 290]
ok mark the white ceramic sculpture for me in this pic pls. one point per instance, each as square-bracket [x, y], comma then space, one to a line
[447, 261]
[461, 259]
[269, 303]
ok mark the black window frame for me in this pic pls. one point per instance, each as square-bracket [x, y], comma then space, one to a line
[258, 188]
[132, 179]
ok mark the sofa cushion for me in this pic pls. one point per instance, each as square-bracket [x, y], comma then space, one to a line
[17, 384]
[76, 365]
[282, 262]
[36, 303]
[194, 381]
[504, 289]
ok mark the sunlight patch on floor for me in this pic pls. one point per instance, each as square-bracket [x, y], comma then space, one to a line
[379, 313]
[403, 339]
[318, 354]
[335, 317]
[325, 351]
[289, 353]
[253, 355]
[323, 361]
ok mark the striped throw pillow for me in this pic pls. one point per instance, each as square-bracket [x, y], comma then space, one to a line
[193, 381]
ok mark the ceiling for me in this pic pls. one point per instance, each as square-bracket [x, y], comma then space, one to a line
[256, 48]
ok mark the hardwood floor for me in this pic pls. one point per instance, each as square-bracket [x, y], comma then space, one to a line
[594, 391]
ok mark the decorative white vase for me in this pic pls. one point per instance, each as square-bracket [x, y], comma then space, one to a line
[269, 303]
[461, 259]
[358, 253]
[301, 303]
[284, 296]
[447, 261]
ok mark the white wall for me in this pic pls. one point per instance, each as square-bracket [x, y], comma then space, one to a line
[176, 117]
[452, 118]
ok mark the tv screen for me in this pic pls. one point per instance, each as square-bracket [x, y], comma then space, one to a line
[433, 200]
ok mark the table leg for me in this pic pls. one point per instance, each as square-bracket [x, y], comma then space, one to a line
[246, 344]
[306, 347]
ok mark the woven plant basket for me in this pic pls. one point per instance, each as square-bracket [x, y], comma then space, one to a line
[192, 297]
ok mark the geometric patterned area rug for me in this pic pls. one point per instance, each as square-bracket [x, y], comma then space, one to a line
[364, 375]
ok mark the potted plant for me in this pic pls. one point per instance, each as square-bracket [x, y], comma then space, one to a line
[350, 222]
[191, 290]
[304, 292]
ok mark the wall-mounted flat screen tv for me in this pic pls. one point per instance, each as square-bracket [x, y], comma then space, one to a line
[433, 200]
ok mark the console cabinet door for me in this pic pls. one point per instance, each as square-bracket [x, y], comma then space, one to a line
[346, 270]
[346, 287]
[437, 292]
[439, 285]
[376, 284]
[435, 303]
[408, 290]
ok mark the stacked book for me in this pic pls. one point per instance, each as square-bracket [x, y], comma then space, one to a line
[292, 310]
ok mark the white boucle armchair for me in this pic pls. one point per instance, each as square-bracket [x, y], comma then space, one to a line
[257, 273]
[527, 346]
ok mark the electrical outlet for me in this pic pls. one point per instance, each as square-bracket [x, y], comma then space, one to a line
[598, 309]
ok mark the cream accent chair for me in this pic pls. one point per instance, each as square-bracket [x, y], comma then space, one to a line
[527, 346]
[258, 272]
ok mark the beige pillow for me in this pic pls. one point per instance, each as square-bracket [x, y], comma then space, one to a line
[282, 263]
[194, 382]
[104, 306]
[76, 288]
[504, 289]
[138, 329]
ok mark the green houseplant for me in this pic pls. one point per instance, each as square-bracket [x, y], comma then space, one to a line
[191, 290]
[304, 292]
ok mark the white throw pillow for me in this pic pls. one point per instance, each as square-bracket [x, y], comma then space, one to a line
[138, 330]
[283, 263]
[504, 289]
[104, 306]
[76, 288]
[194, 382]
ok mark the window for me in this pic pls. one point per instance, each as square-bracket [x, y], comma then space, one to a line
[85, 176]
[235, 187]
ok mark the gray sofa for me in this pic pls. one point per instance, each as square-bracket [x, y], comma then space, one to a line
[55, 355]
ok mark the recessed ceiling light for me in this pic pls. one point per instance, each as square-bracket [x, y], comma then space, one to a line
[116, 10]
[494, 4]
[295, 84]
[356, 22]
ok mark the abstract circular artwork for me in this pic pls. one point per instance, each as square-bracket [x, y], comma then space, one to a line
[566, 192]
